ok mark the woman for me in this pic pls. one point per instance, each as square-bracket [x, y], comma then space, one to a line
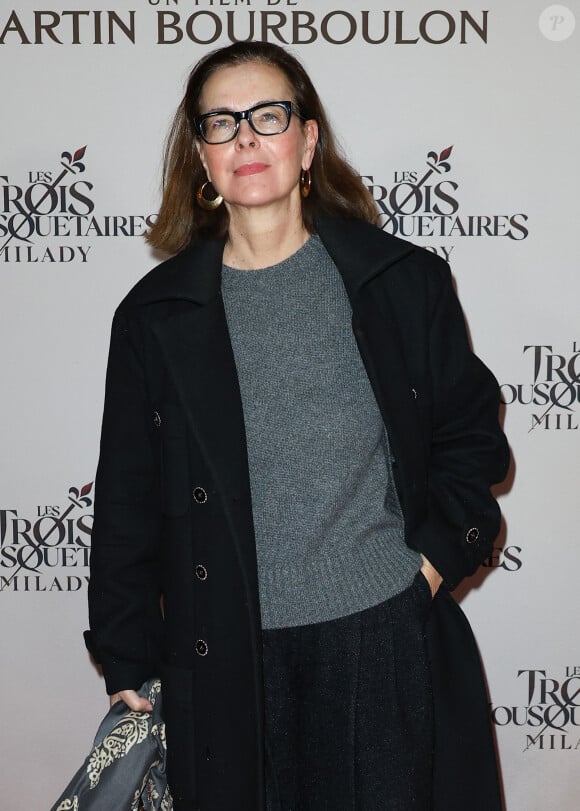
[296, 456]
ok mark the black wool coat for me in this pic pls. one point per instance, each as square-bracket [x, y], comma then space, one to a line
[174, 589]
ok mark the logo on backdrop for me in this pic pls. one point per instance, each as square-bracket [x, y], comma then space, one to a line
[425, 203]
[508, 558]
[278, 21]
[51, 550]
[50, 216]
[549, 715]
[552, 390]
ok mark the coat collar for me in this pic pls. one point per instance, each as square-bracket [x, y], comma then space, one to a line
[359, 250]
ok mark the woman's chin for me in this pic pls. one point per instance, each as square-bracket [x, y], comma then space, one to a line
[260, 199]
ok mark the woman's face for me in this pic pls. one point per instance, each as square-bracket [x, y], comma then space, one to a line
[255, 170]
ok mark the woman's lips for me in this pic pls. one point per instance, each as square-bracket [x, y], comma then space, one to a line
[250, 169]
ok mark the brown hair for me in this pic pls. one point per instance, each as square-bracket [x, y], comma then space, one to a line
[336, 187]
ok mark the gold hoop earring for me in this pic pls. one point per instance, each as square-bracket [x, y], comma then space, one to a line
[202, 200]
[305, 182]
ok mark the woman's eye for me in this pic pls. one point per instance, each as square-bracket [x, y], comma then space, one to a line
[220, 123]
[269, 117]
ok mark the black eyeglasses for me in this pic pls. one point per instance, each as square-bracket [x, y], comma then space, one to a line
[268, 118]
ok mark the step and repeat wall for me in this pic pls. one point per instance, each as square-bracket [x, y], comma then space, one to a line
[463, 121]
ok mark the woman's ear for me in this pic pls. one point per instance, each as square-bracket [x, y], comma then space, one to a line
[310, 129]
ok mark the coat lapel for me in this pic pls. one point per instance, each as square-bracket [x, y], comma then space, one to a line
[198, 353]
[194, 338]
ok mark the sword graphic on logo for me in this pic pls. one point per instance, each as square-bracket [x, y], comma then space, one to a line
[556, 402]
[73, 165]
[436, 163]
[550, 724]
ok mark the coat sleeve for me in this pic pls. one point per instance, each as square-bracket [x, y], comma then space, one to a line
[468, 451]
[124, 590]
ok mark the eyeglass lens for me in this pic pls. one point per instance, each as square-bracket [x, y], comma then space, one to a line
[269, 119]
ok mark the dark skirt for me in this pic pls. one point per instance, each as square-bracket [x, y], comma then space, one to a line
[349, 710]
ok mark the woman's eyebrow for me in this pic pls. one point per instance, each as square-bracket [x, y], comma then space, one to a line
[225, 109]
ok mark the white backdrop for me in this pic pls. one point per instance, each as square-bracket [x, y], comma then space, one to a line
[501, 88]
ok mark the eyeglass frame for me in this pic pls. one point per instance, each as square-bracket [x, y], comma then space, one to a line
[246, 115]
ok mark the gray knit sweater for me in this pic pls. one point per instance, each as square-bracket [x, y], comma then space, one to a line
[329, 529]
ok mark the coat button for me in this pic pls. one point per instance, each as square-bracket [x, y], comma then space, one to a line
[200, 495]
[200, 572]
[472, 535]
[201, 647]
[156, 419]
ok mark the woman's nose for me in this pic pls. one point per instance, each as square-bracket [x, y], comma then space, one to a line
[246, 135]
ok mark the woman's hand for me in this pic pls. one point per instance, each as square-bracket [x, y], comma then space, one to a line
[431, 575]
[132, 699]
